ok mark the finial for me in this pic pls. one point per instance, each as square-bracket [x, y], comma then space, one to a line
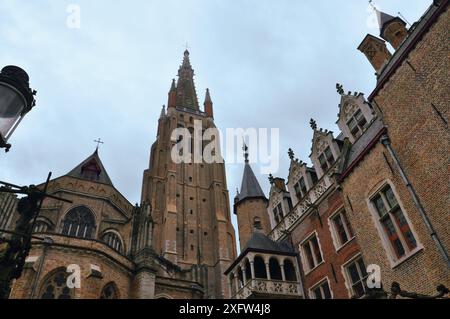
[313, 124]
[340, 88]
[208, 96]
[291, 154]
[245, 149]
[163, 111]
[99, 141]
[271, 179]
[173, 87]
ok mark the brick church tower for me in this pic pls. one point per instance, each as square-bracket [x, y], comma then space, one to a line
[189, 201]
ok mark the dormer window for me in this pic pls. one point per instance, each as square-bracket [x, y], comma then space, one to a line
[91, 171]
[278, 213]
[357, 124]
[326, 159]
[300, 189]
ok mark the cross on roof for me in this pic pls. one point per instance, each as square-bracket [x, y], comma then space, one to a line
[99, 141]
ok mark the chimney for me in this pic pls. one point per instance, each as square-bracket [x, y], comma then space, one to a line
[376, 52]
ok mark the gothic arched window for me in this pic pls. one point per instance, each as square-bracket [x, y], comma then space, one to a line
[113, 240]
[109, 292]
[79, 222]
[55, 287]
[41, 227]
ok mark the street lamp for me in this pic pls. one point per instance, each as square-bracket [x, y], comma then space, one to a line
[16, 100]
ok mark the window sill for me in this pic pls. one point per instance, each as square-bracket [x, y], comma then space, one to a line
[311, 270]
[346, 244]
[397, 263]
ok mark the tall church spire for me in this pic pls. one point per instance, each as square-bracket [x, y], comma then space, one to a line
[186, 94]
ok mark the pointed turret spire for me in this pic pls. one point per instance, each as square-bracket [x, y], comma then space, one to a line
[383, 17]
[186, 94]
[163, 111]
[208, 104]
[172, 95]
[250, 187]
[392, 29]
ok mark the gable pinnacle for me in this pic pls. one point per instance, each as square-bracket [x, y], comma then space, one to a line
[313, 124]
[208, 96]
[340, 89]
[291, 154]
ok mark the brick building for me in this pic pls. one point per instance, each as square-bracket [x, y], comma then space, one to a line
[401, 218]
[378, 193]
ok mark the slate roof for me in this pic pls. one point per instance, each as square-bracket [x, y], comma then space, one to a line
[261, 242]
[383, 18]
[102, 178]
[250, 187]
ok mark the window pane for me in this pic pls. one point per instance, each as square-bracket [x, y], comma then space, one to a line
[323, 162]
[390, 197]
[379, 205]
[303, 186]
[362, 267]
[316, 250]
[393, 237]
[326, 291]
[353, 273]
[351, 124]
[362, 122]
[339, 226]
[358, 290]
[309, 256]
[318, 293]
[329, 155]
[405, 229]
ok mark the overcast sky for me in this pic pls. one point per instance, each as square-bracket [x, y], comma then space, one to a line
[268, 64]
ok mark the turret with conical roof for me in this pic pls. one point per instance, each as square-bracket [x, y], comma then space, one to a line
[392, 29]
[250, 205]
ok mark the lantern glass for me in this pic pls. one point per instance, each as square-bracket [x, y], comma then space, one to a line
[12, 104]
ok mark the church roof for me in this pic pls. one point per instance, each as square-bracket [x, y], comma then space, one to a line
[250, 187]
[93, 162]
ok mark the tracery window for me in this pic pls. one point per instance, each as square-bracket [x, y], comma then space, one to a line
[109, 292]
[79, 222]
[56, 287]
[113, 240]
